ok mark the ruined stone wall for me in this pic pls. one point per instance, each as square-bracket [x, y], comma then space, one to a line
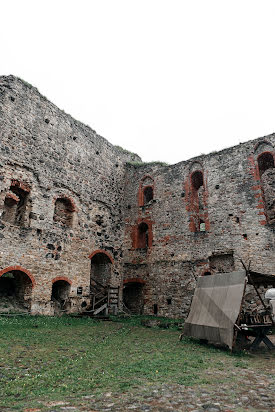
[205, 215]
[71, 205]
[46, 155]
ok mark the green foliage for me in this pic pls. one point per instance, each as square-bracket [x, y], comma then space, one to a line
[121, 149]
[43, 358]
[30, 86]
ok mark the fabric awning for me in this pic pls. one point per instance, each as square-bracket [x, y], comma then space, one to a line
[215, 307]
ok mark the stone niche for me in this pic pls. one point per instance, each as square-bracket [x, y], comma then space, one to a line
[221, 263]
[133, 297]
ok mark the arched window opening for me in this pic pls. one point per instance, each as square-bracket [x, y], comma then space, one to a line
[60, 296]
[63, 211]
[265, 162]
[146, 191]
[133, 297]
[101, 270]
[15, 205]
[143, 237]
[148, 195]
[15, 292]
[267, 174]
[197, 180]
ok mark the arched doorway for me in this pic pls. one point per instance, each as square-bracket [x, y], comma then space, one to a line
[101, 268]
[15, 291]
[60, 296]
[133, 296]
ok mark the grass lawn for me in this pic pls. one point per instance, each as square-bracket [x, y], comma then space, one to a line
[44, 358]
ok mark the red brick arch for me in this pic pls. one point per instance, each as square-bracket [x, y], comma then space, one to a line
[142, 187]
[101, 251]
[134, 280]
[62, 278]
[20, 269]
[66, 197]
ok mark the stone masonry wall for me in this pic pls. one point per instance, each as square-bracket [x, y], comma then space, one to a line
[54, 156]
[70, 201]
[197, 229]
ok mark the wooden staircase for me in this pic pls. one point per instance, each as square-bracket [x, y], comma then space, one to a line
[104, 300]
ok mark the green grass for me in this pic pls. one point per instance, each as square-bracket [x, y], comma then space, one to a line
[45, 358]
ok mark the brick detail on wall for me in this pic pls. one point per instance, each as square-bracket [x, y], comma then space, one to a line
[257, 188]
[62, 278]
[146, 181]
[135, 235]
[101, 251]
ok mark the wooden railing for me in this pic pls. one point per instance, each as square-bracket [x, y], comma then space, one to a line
[103, 299]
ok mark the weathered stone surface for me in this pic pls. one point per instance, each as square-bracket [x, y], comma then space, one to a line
[67, 197]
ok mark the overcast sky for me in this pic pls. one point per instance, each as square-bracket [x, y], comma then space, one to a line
[167, 79]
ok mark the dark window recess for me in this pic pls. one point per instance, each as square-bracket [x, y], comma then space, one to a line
[63, 212]
[147, 195]
[169, 301]
[155, 309]
[197, 180]
[207, 274]
[142, 240]
[79, 290]
[15, 205]
[265, 161]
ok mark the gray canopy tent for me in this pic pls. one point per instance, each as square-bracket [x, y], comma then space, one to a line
[216, 306]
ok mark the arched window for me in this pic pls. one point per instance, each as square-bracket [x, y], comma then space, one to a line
[198, 204]
[265, 161]
[142, 238]
[148, 194]
[146, 190]
[267, 176]
[63, 211]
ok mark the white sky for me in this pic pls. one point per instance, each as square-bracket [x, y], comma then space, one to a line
[167, 79]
